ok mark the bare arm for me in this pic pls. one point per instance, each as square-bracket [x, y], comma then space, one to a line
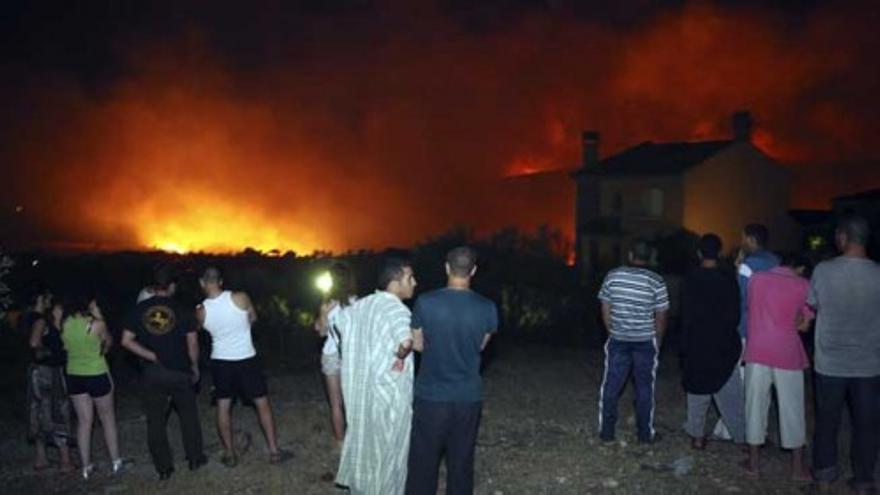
[192, 348]
[418, 340]
[404, 348]
[100, 328]
[660, 322]
[243, 301]
[803, 320]
[606, 316]
[129, 342]
[37, 329]
[321, 323]
[200, 316]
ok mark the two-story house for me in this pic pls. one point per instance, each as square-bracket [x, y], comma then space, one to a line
[653, 189]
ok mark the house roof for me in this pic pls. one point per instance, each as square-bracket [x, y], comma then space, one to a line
[650, 158]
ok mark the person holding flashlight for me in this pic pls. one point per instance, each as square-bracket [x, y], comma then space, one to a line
[340, 289]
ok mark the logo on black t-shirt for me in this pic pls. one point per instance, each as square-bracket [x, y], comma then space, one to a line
[158, 320]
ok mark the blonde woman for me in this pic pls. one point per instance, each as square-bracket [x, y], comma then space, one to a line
[342, 293]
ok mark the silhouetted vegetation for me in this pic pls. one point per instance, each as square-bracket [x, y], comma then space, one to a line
[525, 273]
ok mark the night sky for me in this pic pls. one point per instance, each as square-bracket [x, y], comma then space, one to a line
[360, 124]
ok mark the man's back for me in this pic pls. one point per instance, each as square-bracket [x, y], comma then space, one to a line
[160, 324]
[230, 328]
[454, 323]
[845, 292]
[759, 261]
[634, 294]
[776, 298]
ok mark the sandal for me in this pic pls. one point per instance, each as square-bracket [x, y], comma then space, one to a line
[749, 472]
[229, 460]
[698, 443]
[280, 456]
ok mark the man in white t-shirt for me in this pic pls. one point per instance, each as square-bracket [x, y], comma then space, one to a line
[227, 316]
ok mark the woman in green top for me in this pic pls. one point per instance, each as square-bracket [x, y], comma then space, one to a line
[86, 340]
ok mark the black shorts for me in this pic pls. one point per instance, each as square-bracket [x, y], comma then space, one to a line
[238, 378]
[95, 386]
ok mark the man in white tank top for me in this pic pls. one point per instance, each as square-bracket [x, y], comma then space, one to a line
[227, 316]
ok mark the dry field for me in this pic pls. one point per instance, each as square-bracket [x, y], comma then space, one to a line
[537, 437]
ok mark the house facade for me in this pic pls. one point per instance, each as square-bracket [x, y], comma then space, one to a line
[657, 189]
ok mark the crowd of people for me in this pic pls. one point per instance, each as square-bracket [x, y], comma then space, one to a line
[741, 338]
[70, 340]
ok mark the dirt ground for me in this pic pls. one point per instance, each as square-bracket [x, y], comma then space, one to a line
[538, 436]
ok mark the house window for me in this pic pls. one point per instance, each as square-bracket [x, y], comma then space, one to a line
[652, 202]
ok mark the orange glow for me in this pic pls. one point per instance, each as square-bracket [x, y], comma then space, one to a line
[347, 143]
[222, 228]
[529, 165]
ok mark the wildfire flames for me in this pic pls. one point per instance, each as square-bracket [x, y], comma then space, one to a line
[336, 146]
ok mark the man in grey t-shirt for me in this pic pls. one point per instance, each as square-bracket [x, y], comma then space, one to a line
[845, 292]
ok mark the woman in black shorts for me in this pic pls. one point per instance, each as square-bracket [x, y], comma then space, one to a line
[342, 293]
[86, 340]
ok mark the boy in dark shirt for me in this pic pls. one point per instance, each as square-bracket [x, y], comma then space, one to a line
[711, 345]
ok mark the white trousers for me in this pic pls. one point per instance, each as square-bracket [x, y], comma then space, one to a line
[789, 386]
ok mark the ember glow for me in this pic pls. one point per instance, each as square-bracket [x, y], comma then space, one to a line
[298, 135]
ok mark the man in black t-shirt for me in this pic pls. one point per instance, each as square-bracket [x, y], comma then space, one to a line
[164, 336]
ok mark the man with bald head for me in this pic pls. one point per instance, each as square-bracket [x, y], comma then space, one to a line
[845, 292]
[451, 327]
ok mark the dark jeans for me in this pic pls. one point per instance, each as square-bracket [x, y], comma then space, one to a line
[621, 357]
[440, 428]
[159, 385]
[864, 402]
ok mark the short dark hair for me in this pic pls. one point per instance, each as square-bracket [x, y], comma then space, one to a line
[164, 275]
[856, 229]
[795, 260]
[344, 284]
[211, 274]
[36, 291]
[710, 246]
[461, 260]
[76, 302]
[642, 250]
[391, 269]
[758, 232]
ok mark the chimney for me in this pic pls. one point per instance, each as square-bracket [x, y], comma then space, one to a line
[742, 126]
[591, 149]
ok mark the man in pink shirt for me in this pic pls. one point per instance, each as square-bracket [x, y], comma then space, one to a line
[775, 356]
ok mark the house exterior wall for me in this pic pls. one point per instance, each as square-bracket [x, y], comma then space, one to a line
[737, 186]
[630, 204]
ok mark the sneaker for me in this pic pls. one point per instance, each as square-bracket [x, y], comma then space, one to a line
[87, 471]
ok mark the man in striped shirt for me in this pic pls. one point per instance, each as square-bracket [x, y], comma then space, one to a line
[634, 305]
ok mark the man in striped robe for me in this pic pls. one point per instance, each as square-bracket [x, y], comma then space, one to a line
[377, 384]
